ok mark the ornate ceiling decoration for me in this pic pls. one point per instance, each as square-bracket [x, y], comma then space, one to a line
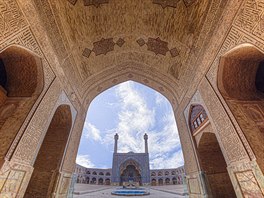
[162, 3]
[158, 46]
[166, 3]
[95, 3]
[189, 2]
[103, 46]
[73, 2]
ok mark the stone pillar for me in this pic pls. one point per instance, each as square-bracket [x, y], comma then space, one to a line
[146, 142]
[116, 138]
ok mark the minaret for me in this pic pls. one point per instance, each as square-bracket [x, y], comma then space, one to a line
[146, 142]
[116, 138]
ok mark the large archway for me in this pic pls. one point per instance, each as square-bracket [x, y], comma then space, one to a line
[214, 166]
[240, 81]
[97, 138]
[21, 82]
[210, 156]
[47, 165]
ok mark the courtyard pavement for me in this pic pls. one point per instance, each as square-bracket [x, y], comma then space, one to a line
[96, 191]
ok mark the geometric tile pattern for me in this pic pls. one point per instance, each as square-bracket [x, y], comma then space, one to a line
[103, 46]
[158, 46]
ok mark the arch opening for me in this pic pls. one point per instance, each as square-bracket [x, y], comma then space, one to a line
[241, 83]
[160, 182]
[107, 181]
[21, 82]
[214, 166]
[49, 158]
[210, 156]
[153, 182]
[139, 111]
[131, 173]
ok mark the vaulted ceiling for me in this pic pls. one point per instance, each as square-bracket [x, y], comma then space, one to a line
[166, 35]
[166, 29]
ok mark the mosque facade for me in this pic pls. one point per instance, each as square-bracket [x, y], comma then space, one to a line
[129, 168]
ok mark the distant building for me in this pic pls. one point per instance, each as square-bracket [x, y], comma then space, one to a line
[129, 167]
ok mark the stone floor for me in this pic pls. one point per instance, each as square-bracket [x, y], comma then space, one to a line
[84, 190]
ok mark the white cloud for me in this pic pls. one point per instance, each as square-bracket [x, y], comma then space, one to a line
[163, 161]
[136, 118]
[91, 132]
[159, 99]
[84, 160]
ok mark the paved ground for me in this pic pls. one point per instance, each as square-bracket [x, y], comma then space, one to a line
[95, 191]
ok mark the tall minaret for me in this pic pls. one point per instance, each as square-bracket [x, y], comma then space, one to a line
[116, 138]
[146, 142]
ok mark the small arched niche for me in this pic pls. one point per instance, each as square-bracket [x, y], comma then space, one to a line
[241, 83]
[21, 82]
[50, 155]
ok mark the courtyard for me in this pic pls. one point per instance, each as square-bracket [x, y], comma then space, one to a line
[97, 191]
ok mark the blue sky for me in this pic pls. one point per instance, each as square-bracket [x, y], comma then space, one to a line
[131, 110]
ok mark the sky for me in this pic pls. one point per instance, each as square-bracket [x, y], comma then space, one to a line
[131, 110]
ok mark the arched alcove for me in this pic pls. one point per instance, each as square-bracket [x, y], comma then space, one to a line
[167, 181]
[21, 82]
[210, 156]
[107, 181]
[241, 83]
[100, 181]
[213, 165]
[153, 182]
[160, 181]
[50, 155]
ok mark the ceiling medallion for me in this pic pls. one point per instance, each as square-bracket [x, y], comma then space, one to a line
[158, 46]
[103, 46]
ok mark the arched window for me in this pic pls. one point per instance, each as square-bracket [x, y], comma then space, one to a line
[94, 173]
[153, 174]
[101, 173]
[167, 173]
[167, 181]
[173, 173]
[197, 117]
[108, 174]
[159, 173]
